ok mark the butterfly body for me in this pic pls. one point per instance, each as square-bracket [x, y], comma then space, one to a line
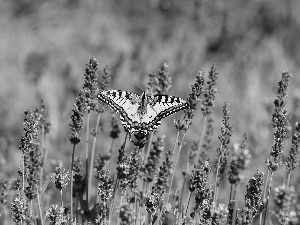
[141, 113]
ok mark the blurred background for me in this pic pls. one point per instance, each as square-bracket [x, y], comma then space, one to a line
[44, 46]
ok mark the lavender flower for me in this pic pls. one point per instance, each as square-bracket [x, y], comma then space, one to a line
[163, 175]
[123, 169]
[246, 217]
[100, 211]
[115, 129]
[33, 165]
[253, 198]
[292, 161]
[240, 161]
[204, 209]
[193, 152]
[152, 204]
[4, 190]
[159, 188]
[101, 161]
[219, 214]
[90, 84]
[29, 139]
[286, 216]
[194, 97]
[135, 162]
[19, 208]
[284, 199]
[126, 214]
[41, 115]
[79, 182]
[106, 79]
[204, 193]
[161, 82]
[124, 175]
[105, 184]
[199, 177]
[104, 83]
[86, 100]
[192, 101]
[207, 140]
[280, 123]
[18, 181]
[210, 91]
[30, 147]
[77, 120]
[60, 178]
[203, 155]
[150, 169]
[203, 201]
[57, 216]
[226, 132]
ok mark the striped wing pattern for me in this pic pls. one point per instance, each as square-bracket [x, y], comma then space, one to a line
[122, 102]
[127, 104]
[163, 106]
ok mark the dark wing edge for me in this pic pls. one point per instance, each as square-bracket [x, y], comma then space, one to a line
[167, 112]
[118, 109]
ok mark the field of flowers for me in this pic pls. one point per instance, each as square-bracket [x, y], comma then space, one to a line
[229, 157]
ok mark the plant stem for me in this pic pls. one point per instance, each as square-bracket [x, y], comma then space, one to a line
[234, 208]
[201, 139]
[4, 215]
[87, 158]
[112, 207]
[76, 207]
[144, 183]
[288, 179]
[217, 182]
[93, 151]
[30, 210]
[149, 146]
[39, 198]
[188, 203]
[264, 196]
[61, 198]
[181, 195]
[121, 202]
[137, 209]
[234, 191]
[111, 146]
[217, 177]
[268, 197]
[233, 214]
[173, 151]
[231, 188]
[43, 154]
[40, 209]
[23, 172]
[71, 191]
[174, 167]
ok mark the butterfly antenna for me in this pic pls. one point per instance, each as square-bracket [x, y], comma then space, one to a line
[138, 86]
[148, 91]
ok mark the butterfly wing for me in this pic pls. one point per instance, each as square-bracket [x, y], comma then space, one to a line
[124, 103]
[162, 106]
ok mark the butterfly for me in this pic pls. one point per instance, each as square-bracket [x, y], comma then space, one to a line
[141, 113]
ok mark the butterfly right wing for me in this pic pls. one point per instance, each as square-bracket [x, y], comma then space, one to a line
[162, 106]
[124, 103]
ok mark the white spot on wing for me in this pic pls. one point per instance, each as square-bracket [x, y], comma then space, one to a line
[151, 114]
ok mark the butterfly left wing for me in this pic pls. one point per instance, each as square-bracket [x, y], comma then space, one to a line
[124, 103]
[162, 106]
